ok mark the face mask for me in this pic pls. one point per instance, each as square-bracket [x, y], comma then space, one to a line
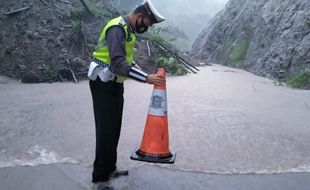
[141, 28]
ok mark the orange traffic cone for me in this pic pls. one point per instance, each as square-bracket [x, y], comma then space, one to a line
[155, 142]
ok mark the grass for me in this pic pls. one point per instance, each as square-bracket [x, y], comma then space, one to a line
[238, 52]
[302, 80]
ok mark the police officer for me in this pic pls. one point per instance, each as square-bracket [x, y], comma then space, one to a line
[114, 60]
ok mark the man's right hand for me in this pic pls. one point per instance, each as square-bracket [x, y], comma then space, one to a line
[155, 79]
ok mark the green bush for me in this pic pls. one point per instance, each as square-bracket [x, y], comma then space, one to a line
[238, 51]
[47, 71]
[302, 80]
[170, 64]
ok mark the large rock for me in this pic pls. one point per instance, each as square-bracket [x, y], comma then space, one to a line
[267, 37]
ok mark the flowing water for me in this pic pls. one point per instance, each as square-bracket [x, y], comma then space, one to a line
[221, 120]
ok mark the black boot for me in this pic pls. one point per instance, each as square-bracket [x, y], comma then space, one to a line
[118, 173]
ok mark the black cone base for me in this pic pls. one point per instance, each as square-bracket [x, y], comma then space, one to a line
[153, 159]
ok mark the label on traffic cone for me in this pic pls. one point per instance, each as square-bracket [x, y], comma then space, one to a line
[158, 106]
[155, 142]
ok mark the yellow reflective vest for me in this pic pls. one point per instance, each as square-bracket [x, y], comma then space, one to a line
[102, 52]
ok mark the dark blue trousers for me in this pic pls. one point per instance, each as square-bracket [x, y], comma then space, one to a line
[108, 110]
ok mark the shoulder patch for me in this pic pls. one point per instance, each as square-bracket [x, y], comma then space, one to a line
[122, 22]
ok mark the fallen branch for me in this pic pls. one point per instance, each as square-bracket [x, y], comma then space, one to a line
[64, 75]
[17, 11]
[74, 77]
[61, 78]
[172, 53]
[76, 37]
[86, 7]
[45, 3]
[64, 1]
[177, 57]
[72, 72]
[179, 60]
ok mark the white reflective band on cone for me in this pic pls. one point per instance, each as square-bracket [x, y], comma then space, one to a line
[158, 106]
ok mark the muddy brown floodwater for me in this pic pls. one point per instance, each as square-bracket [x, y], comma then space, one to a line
[221, 120]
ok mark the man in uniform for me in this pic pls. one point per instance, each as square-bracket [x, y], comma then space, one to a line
[113, 60]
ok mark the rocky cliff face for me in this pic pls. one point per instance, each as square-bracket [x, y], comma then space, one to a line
[267, 37]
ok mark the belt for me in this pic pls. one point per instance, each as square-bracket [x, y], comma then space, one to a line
[101, 63]
[104, 65]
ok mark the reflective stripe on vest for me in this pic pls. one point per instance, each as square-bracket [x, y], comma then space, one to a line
[102, 51]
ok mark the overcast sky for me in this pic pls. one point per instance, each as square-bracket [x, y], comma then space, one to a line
[189, 15]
